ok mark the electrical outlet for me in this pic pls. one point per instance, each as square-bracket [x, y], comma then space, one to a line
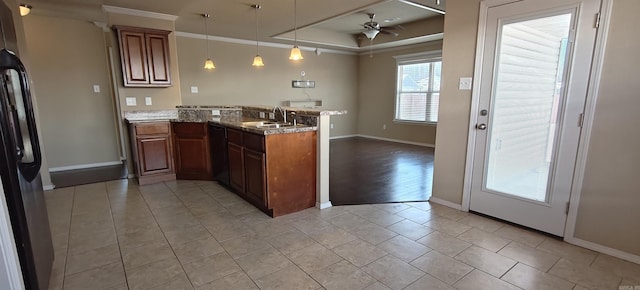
[194, 89]
[96, 88]
[384, 126]
[147, 101]
[272, 116]
[131, 101]
[215, 112]
[465, 84]
[331, 125]
[261, 115]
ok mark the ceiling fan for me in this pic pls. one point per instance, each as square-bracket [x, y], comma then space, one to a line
[373, 28]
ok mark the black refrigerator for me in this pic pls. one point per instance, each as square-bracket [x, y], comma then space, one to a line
[20, 161]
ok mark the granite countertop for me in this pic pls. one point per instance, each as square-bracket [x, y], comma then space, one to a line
[232, 121]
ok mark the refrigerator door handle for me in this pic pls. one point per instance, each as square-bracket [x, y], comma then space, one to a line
[28, 147]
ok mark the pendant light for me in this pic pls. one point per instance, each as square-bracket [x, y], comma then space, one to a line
[257, 61]
[208, 64]
[25, 9]
[295, 51]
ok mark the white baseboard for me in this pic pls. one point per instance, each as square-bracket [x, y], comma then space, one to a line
[398, 141]
[324, 205]
[603, 249]
[342, 137]
[47, 187]
[383, 139]
[84, 166]
[445, 203]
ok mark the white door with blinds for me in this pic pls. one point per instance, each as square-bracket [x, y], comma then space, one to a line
[535, 71]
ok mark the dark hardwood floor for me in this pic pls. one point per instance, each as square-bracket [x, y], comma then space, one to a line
[364, 171]
[90, 175]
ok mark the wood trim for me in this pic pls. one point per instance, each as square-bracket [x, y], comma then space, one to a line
[141, 29]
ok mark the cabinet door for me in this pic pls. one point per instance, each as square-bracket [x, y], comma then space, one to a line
[219, 157]
[154, 155]
[192, 158]
[236, 167]
[158, 59]
[255, 177]
[134, 58]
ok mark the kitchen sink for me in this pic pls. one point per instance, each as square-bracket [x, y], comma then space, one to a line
[266, 124]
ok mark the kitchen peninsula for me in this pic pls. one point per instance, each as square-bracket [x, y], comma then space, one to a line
[276, 158]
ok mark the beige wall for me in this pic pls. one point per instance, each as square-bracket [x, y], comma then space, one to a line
[609, 208]
[458, 57]
[68, 58]
[376, 98]
[235, 82]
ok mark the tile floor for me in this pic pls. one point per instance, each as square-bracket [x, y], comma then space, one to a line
[186, 235]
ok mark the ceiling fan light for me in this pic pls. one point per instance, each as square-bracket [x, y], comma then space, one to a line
[208, 64]
[371, 34]
[25, 9]
[295, 53]
[257, 61]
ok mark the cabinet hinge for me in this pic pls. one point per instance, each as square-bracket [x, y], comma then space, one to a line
[596, 23]
[580, 120]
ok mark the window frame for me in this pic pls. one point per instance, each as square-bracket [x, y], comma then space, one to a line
[414, 58]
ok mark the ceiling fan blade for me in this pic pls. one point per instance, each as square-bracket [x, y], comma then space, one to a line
[388, 32]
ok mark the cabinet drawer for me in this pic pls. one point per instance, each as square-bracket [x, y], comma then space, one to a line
[253, 141]
[191, 129]
[152, 128]
[234, 136]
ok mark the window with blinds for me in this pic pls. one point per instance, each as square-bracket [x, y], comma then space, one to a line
[418, 87]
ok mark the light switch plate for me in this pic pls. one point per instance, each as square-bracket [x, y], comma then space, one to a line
[147, 101]
[465, 84]
[131, 101]
[96, 88]
[194, 89]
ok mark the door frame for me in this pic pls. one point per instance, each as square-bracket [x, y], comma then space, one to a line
[591, 98]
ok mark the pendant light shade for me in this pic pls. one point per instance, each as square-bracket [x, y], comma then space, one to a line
[295, 51]
[208, 64]
[25, 9]
[257, 60]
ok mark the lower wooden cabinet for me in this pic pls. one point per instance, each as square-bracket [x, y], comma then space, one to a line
[152, 151]
[236, 166]
[255, 176]
[192, 155]
[276, 173]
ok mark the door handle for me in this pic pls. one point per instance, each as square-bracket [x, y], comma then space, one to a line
[481, 126]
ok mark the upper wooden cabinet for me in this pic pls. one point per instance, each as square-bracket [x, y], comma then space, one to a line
[144, 54]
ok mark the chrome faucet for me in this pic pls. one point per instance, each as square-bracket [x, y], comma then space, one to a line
[282, 111]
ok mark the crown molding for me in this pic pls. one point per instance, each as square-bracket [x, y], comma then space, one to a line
[141, 13]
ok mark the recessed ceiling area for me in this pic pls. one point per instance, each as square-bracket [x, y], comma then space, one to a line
[407, 22]
[333, 24]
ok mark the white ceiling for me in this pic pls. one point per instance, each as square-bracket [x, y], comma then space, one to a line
[326, 23]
